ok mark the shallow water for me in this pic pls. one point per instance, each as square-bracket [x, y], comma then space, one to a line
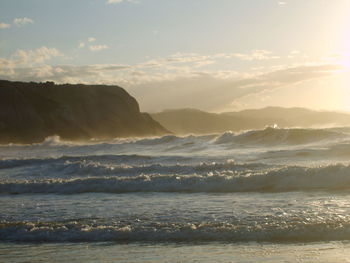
[176, 252]
[275, 195]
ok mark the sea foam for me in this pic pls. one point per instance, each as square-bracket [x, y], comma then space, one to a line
[298, 230]
[290, 178]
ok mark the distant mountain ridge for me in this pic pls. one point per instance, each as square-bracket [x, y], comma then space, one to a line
[186, 121]
[30, 112]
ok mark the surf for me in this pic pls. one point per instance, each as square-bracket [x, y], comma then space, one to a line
[289, 178]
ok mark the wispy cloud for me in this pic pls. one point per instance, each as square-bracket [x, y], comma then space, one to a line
[255, 55]
[4, 25]
[98, 47]
[39, 55]
[30, 58]
[181, 80]
[114, 1]
[120, 1]
[215, 91]
[88, 43]
[23, 21]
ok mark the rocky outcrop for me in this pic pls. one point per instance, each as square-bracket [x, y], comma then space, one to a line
[30, 112]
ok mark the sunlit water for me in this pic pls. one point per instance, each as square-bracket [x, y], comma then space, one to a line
[274, 195]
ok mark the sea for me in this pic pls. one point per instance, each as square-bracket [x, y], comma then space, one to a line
[270, 195]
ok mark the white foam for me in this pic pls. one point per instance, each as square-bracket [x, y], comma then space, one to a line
[277, 136]
[300, 230]
[291, 178]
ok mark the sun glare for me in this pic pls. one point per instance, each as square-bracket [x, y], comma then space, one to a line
[345, 42]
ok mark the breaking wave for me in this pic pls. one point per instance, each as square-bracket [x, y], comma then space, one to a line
[115, 159]
[267, 136]
[271, 230]
[97, 166]
[290, 178]
[276, 136]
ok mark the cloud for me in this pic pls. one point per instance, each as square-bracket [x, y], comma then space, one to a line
[197, 60]
[89, 39]
[39, 55]
[98, 47]
[208, 91]
[29, 59]
[114, 1]
[4, 25]
[211, 91]
[253, 55]
[23, 21]
[92, 47]
[120, 1]
[181, 80]
[94, 74]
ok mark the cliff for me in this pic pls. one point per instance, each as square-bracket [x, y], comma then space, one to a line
[30, 112]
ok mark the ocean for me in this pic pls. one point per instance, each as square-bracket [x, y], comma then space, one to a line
[271, 195]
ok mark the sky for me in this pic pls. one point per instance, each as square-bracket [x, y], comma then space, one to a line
[223, 55]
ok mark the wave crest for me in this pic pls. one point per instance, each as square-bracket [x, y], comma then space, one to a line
[277, 136]
[291, 178]
[297, 230]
